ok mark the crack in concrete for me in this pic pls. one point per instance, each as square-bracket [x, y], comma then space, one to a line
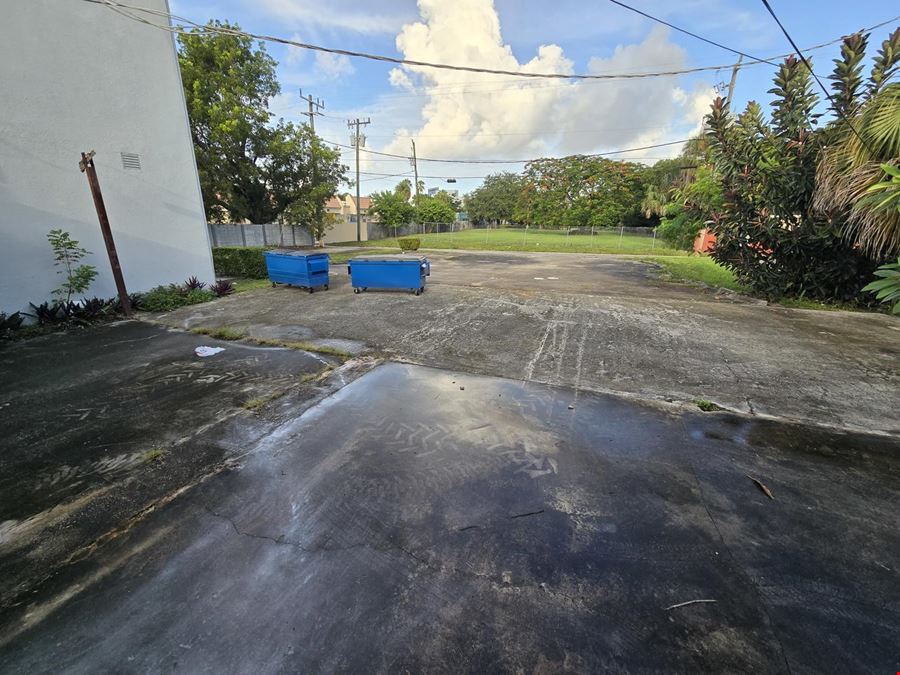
[390, 545]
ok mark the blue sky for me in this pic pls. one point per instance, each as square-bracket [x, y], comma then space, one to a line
[467, 116]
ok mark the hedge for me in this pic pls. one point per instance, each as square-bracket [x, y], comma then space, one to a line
[409, 243]
[240, 261]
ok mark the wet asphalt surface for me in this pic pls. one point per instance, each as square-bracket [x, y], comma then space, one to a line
[425, 520]
[97, 424]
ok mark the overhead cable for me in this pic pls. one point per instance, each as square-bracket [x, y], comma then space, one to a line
[183, 24]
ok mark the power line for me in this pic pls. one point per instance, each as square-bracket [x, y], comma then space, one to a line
[510, 161]
[123, 9]
[693, 35]
[808, 65]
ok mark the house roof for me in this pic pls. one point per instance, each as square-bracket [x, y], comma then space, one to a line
[333, 203]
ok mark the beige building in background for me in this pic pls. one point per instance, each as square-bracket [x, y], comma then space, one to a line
[343, 211]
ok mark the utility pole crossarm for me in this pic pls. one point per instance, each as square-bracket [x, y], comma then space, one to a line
[315, 105]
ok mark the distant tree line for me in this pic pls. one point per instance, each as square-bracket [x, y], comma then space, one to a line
[399, 206]
[576, 191]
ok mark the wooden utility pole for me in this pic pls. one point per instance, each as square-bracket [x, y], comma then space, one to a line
[314, 106]
[87, 167]
[356, 141]
[415, 170]
[734, 72]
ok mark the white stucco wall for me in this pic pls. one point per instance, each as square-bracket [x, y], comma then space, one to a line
[75, 77]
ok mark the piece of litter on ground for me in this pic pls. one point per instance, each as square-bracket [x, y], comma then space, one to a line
[203, 350]
[554, 278]
[686, 603]
[766, 491]
[571, 407]
[539, 278]
[461, 388]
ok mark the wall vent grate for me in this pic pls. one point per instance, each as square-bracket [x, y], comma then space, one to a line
[131, 160]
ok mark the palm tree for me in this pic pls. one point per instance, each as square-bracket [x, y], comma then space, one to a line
[865, 137]
[654, 202]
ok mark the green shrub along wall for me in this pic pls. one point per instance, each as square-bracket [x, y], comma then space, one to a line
[240, 261]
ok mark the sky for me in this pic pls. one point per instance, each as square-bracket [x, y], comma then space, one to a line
[458, 115]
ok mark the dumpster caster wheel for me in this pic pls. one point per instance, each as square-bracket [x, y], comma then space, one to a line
[356, 290]
[310, 290]
[326, 287]
[416, 292]
[274, 284]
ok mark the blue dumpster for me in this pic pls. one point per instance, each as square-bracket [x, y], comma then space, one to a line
[296, 268]
[387, 272]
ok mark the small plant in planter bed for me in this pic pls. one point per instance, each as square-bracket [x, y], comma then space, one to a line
[194, 284]
[409, 243]
[9, 324]
[167, 298]
[222, 287]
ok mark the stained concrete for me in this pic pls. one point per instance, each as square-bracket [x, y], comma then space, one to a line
[96, 425]
[602, 323]
[423, 520]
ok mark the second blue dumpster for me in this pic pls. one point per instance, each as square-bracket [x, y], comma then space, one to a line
[388, 272]
[297, 268]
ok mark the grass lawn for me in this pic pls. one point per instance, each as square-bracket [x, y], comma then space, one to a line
[701, 269]
[241, 285]
[505, 239]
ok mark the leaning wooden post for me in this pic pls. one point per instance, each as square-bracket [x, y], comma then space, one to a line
[87, 167]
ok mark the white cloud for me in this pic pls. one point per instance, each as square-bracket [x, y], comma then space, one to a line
[400, 79]
[333, 66]
[481, 115]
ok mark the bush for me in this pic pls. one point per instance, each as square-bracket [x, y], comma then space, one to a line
[240, 261]
[10, 323]
[678, 228]
[222, 288]
[166, 298]
[887, 286]
[409, 243]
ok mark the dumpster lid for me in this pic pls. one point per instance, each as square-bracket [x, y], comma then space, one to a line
[303, 253]
[396, 257]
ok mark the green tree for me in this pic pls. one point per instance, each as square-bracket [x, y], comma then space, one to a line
[404, 189]
[855, 159]
[450, 200]
[68, 253]
[434, 210]
[581, 191]
[496, 199]
[768, 233]
[392, 208]
[249, 169]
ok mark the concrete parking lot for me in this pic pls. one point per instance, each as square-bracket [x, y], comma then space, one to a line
[510, 476]
[602, 323]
